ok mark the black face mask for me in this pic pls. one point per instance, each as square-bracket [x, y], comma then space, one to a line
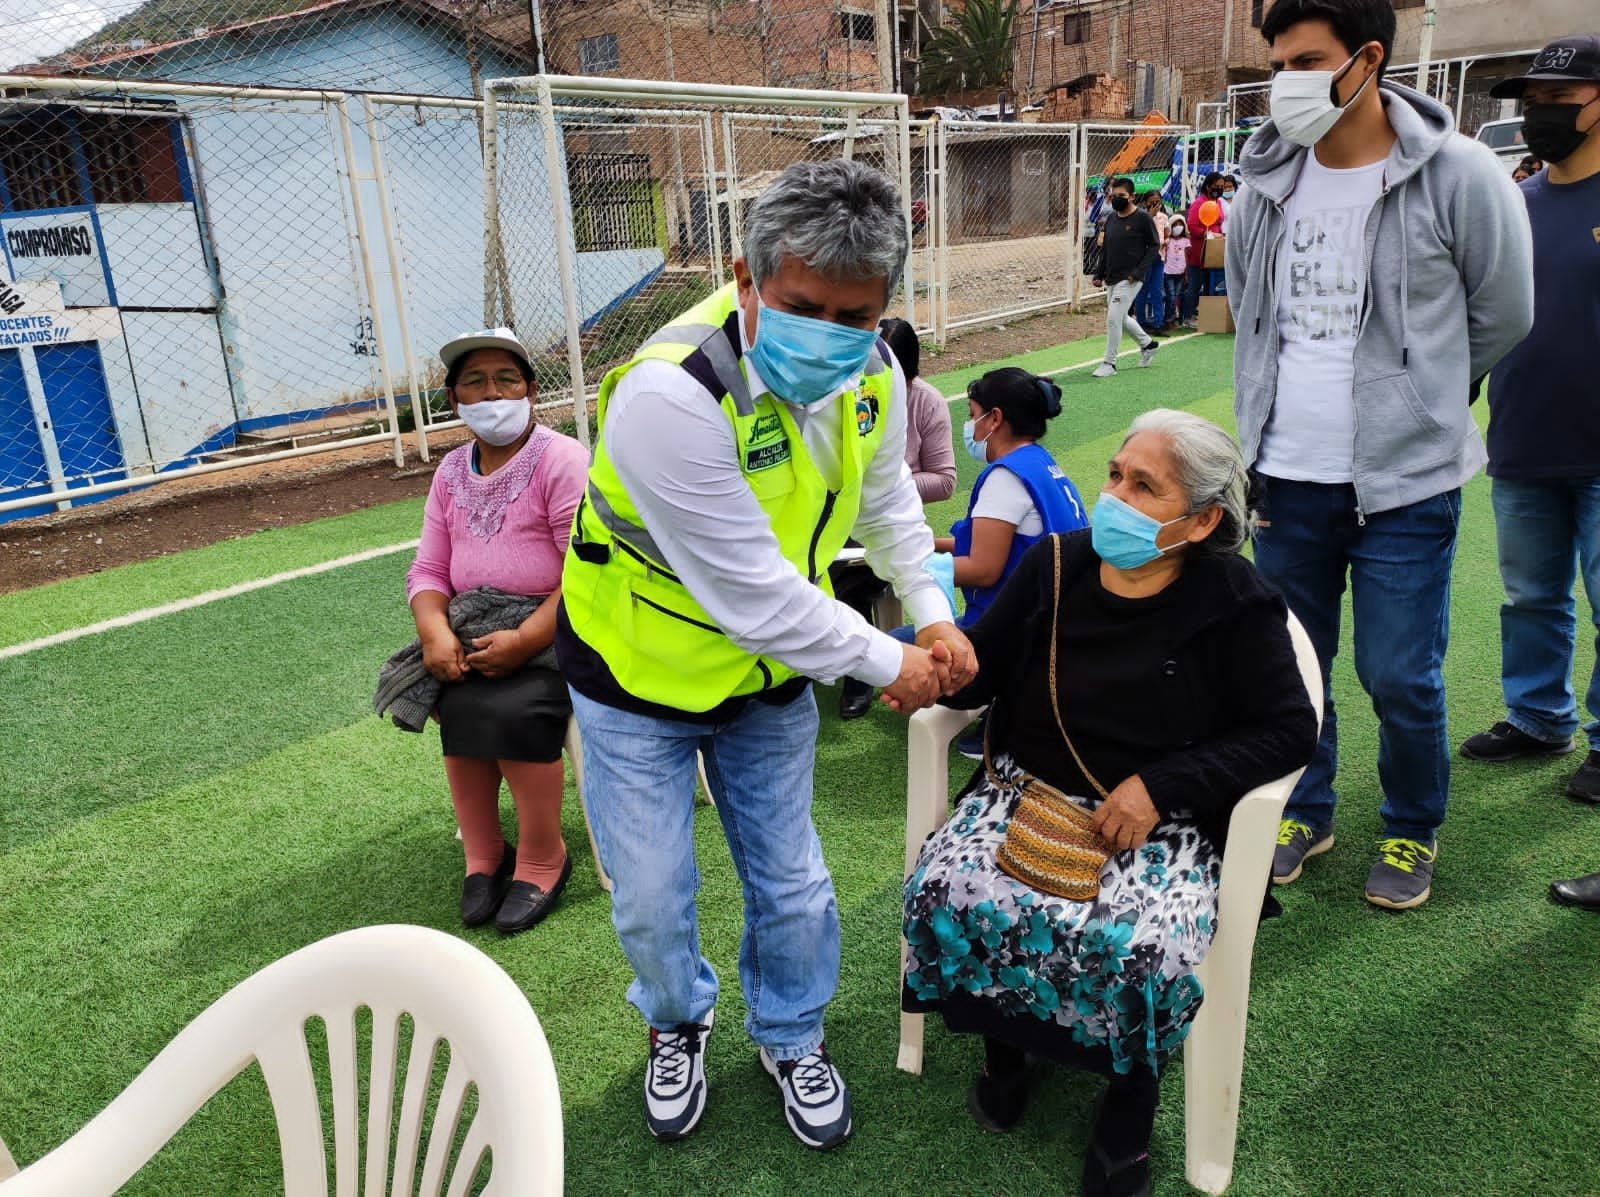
[1121, 203]
[1551, 130]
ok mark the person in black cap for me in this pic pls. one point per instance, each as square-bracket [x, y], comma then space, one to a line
[1544, 434]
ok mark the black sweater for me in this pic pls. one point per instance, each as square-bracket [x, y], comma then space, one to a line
[1205, 704]
[1132, 246]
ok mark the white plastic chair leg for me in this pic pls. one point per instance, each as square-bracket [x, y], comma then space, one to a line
[574, 747]
[705, 784]
[928, 736]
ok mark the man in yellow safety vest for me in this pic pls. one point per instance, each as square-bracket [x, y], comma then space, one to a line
[737, 451]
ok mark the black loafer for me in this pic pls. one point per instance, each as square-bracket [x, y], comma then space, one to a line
[855, 699]
[480, 893]
[1583, 892]
[525, 903]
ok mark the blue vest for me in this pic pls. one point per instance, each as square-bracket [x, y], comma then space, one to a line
[1053, 495]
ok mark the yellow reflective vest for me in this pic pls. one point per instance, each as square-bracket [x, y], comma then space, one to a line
[621, 595]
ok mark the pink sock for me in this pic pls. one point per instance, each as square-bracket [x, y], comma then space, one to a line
[536, 789]
[475, 793]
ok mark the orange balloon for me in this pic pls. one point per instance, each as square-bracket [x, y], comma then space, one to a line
[1210, 212]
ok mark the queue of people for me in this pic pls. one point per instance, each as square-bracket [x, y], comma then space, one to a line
[672, 592]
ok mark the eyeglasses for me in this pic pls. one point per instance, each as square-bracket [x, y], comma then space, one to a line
[504, 380]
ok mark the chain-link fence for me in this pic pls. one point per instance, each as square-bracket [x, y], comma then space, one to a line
[186, 284]
[1003, 219]
[612, 207]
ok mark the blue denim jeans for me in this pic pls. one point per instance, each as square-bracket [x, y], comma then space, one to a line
[638, 788]
[1173, 286]
[1398, 565]
[1545, 531]
[1147, 308]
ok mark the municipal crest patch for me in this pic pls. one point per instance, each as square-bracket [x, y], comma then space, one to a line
[866, 414]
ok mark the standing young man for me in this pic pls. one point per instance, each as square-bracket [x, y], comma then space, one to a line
[1544, 430]
[737, 450]
[1378, 264]
[1132, 247]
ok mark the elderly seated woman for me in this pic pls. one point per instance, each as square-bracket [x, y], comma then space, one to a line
[482, 591]
[1144, 670]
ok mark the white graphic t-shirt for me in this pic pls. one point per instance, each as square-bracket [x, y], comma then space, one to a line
[1321, 286]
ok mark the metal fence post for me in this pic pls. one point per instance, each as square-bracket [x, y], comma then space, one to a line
[364, 251]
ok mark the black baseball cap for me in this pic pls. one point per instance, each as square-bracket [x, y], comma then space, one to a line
[1576, 57]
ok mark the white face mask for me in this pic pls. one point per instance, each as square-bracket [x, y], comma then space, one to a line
[496, 421]
[1304, 107]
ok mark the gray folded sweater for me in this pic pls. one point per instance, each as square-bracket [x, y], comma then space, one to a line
[408, 692]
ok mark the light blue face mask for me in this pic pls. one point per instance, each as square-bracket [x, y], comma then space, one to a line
[1125, 537]
[805, 360]
[978, 450]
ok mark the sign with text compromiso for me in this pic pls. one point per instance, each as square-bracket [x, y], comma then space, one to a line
[60, 246]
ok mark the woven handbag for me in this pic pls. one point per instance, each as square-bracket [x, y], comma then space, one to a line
[1050, 842]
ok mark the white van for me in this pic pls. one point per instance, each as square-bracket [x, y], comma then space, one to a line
[1505, 139]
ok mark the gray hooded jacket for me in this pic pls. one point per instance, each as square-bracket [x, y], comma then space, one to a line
[1449, 260]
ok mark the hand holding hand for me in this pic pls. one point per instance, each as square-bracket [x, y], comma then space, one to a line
[498, 653]
[443, 657]
[919, 683]
[957, 663]
[1126, 818]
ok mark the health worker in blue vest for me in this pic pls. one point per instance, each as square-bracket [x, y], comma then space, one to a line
[1021, 496]
[738, 450]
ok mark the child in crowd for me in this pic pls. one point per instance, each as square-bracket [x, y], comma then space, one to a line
[1175, 263]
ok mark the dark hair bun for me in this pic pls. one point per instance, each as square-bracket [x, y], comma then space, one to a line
[1052, 397]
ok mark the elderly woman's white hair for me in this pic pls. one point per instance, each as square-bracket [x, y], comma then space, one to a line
[842, 219]
[1209, 467]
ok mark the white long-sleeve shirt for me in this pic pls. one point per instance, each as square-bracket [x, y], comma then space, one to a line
[674, 451]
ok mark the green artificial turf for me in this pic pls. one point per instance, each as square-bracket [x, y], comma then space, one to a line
[186, 800]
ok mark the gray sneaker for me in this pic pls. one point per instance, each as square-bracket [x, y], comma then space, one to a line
[1148, 353]
[1403, 876]
[1296, 841]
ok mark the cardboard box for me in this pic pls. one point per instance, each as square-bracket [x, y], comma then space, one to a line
[1214, 253]
[1214, 315]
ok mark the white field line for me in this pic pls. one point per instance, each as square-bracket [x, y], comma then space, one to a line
[200, 600]
[1092, 362]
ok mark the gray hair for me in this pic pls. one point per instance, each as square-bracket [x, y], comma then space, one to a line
[842, 219]
[1210, 469]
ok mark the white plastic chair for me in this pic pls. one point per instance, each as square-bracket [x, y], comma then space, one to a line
[1214, 1053]
[454, 995]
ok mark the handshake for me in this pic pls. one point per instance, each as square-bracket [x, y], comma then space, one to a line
[940, 663]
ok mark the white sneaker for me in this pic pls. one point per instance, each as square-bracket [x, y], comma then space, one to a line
[675, 1079]
[1148, 353]
[1104, 370]
[815, 1102]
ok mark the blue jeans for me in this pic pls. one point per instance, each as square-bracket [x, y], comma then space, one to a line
[1173, 285]
[1545, 530]
[1147, 308]
[1398, 564]
[638, 788]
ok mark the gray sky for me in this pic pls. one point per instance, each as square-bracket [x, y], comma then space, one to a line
[34, 29]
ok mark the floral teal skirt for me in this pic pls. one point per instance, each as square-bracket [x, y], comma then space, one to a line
[1114, 975]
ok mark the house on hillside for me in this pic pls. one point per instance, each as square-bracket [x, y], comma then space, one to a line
[211, 267]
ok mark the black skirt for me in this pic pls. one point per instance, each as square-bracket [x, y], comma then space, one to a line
[520, 717]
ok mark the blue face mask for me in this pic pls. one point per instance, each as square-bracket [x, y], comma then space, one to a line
[978, 450]
[1125, 537]
[805, 360]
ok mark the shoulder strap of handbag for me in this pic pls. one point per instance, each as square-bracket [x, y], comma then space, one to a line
[1055, 699]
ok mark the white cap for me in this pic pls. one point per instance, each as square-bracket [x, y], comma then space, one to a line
[484, 338]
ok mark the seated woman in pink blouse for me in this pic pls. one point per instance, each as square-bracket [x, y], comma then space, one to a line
[497, 516]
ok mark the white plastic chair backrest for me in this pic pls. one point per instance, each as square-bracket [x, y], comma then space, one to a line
[1305, 656]
[453, 994]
